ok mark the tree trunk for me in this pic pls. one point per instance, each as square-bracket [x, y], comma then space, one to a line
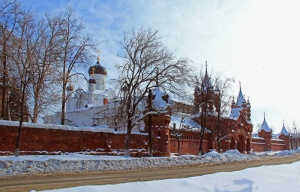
[35, 110]
[150, 136]
[63, 104]
[21, 122]
[178, 140]
[218, 132]
[4, 108]
[201, 142]
[150, 123]
[127, 141]
[203, 124]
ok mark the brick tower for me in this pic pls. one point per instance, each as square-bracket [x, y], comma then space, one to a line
[158, 115]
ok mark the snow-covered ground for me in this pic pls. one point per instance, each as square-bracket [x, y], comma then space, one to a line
[73, 162]
[265, 178]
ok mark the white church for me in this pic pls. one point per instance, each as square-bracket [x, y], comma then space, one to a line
[84, 108]
[97, 93]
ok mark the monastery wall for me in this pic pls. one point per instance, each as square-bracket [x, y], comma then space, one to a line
[43, 140]
[259, 144]
[187, 146]
[51, 141]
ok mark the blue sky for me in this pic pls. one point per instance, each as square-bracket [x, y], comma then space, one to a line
[256, 42]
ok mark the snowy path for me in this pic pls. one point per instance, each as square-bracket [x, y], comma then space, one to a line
[261, 179]
[60, 181]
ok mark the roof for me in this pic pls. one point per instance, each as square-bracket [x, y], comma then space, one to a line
[265, 127]
[284, 131]
[240, 99]
[186, 121]
[235, 113]
[97, 69]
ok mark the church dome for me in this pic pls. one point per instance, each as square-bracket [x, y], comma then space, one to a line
[92, 81]
[98, 69]
[70, 88]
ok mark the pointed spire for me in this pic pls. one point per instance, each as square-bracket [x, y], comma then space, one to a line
[98, 58]
[284, 131]
[265, 125]
[206, 74]
[240, 100]
[206, 84]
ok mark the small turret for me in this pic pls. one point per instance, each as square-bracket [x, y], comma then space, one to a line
[70, 89]
[285, 135]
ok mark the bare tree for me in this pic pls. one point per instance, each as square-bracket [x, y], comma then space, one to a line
[294, 135]
[178, 132]
[203, 101]
[222, 104]
[46, 47]
[148, 63]
[9, 14]
[21, 65]
[211, 101]
[75, 49]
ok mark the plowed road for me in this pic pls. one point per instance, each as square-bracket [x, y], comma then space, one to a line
[55, 181]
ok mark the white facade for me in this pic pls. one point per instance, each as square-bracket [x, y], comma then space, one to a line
[97, 94]
[84, 99]
[81, 104]
[100, 81]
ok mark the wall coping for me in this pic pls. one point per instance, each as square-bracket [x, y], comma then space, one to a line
[102, 128]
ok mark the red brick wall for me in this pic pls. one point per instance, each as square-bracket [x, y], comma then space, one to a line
[260, 145]
[53, 140]
[187, 146]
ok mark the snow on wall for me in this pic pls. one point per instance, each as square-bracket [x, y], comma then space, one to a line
[102, 128]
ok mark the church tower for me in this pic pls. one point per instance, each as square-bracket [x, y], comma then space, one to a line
[99, 72]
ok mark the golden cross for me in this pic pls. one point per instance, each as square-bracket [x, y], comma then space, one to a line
[98, 55]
